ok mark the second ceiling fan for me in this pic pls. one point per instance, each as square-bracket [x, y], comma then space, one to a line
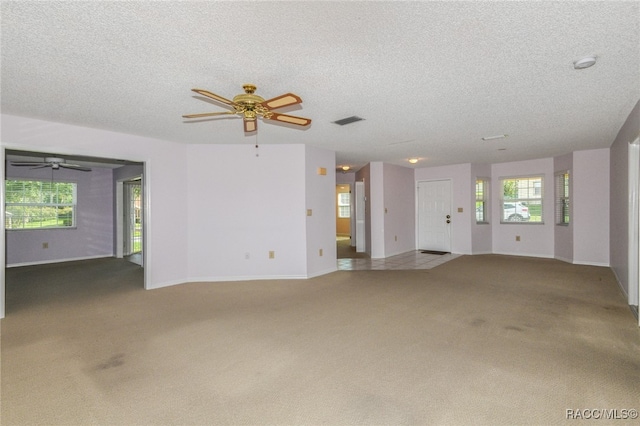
[250, 106]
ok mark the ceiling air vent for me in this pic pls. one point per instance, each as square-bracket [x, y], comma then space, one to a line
[348, 120]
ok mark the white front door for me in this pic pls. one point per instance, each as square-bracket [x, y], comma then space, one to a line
[434, 215]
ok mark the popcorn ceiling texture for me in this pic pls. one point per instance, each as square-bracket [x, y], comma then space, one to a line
[436, 76]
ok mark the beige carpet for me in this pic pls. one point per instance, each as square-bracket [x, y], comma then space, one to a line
[478, 340]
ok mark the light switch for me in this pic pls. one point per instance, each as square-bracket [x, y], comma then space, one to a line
[309, 212]
[459, 209]
[322, 171]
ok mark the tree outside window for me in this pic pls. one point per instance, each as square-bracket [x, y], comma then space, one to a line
[33, 204]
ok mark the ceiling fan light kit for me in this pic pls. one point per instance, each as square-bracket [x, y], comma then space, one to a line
[250, 106]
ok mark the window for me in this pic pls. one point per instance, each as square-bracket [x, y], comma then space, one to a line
[562, 198]
[481, 200]
[344, 205]
[522, 199]
[33, 204]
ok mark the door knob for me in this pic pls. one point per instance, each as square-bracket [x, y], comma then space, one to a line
[448, 221]
[448, 216]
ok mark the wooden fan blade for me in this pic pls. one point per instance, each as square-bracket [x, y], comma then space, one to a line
[282, 101]
[285, 118]
[214, 96]
[250, 125]
[207, 114]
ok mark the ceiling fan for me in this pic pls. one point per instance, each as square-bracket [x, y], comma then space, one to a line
[54, 162]
[251, 106]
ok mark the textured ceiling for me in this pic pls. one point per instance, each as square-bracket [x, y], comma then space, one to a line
[429, 78]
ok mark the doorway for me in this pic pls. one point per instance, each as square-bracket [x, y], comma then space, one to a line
[132, 220]
[434, 215]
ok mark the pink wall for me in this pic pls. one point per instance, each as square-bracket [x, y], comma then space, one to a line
[320, 198]
[481, 234]
[563, 234]
[535, 239]
[399, 210]
[93, 235]
[590, 215]
[240, 206]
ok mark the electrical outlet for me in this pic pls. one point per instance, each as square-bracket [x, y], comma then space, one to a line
[45, 245]
[517, 237]
[320, 252]
[247, 256]
[396, 237]
[272, 254]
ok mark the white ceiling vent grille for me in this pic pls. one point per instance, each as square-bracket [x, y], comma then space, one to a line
[348, 120]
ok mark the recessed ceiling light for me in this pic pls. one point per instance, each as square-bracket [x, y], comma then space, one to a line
[413, 160]
[586, 62]
[489, 138]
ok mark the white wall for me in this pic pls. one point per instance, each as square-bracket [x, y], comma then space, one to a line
[399, 210]
[166, 167]
[590, 215]
[535, 239]
[91, 237]
[320, 196]
[563, 234]
[242, 206]
[460, 176]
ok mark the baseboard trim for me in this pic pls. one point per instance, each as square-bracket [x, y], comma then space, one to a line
[46, 262]
[541, 256]
[634, 311]
[325, 272]
[245, 278]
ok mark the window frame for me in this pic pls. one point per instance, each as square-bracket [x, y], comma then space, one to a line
[563, 198]
[535, 197]
[482, 197]
[73, 205]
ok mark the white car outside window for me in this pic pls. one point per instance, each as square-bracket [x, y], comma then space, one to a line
[515, 212]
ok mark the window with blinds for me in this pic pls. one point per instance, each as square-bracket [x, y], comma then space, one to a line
[482, 215]
[563, 214]
[34, 204]
[344, 205]
[522, 199]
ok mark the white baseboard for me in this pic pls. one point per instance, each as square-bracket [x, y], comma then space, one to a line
[541, 256]
[606, 265]
[325, 272]
[45, 262]
[245, 278]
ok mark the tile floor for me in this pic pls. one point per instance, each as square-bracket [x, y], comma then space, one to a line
[410, 260]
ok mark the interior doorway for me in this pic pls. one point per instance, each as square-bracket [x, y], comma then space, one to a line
[132, 220]
[343, 210]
